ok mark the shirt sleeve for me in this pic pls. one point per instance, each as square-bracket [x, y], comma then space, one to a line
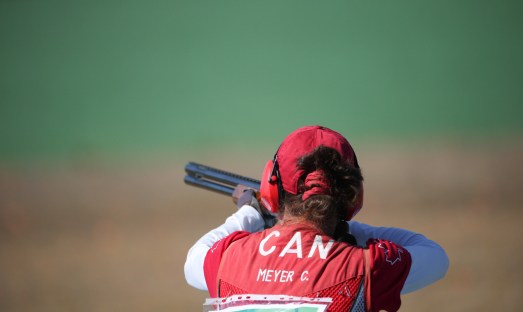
[245, 219]
[429, 261]
[389, 268]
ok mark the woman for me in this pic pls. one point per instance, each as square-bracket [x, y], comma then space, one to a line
[314, 186]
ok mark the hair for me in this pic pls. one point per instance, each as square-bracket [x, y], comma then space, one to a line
[328, 208]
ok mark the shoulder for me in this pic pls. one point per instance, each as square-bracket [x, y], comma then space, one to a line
[385, 252]
[220, 246]
[389, 265]
[214, 256]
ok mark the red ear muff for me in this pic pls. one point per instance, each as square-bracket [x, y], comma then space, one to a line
[269, 188]
[358, 204]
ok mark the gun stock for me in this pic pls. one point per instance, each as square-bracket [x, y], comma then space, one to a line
[219, 181]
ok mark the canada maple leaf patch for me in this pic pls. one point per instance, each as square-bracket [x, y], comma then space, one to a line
[392, 252]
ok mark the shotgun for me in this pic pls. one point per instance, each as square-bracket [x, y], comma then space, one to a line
[219, 181]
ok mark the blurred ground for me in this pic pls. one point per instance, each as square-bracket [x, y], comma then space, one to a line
[96, 236]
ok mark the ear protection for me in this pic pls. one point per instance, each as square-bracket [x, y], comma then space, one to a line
[357, 205]
[358, 200]
[271, 189]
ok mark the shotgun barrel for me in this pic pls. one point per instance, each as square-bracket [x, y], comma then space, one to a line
[217, 180]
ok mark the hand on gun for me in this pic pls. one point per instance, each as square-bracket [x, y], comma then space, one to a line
[250, 197]
[243, 190]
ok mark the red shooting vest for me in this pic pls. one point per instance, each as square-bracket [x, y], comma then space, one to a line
[298, 260]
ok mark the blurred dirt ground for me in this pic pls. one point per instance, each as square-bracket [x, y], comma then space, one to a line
[92, 236]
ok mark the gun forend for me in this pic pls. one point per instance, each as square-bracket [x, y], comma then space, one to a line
[217, 180]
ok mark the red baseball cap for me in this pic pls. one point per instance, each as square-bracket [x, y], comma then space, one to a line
[303, 141]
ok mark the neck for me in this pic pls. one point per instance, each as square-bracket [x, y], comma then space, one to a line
[289, 220]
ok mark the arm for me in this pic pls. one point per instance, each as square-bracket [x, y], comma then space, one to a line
[429, 261]
[246, 218]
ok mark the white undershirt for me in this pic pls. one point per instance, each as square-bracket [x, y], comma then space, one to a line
[429, 261]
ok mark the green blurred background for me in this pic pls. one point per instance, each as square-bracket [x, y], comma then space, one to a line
[135, 77]
[103, 102]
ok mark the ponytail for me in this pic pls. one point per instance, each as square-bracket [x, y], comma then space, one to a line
[327, 188]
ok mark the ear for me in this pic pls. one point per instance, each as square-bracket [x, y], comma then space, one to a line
[269, 188]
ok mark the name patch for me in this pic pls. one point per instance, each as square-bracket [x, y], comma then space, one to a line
[278, 276]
